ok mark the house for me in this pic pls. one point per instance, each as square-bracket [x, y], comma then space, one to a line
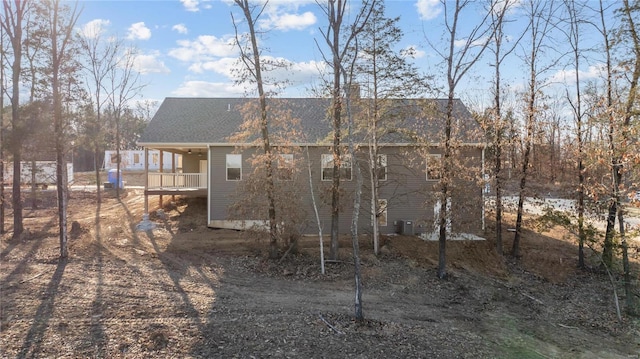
[215, 163]
[133, 160]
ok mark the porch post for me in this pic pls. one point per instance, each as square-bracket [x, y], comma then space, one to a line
[173, 171]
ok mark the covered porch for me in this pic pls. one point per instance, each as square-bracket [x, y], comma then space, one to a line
[185, 175]
[160, 183]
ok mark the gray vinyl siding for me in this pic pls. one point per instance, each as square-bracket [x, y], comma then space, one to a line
[220, 188]
[410, 196]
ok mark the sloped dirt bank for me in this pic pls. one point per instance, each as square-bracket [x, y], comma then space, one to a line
[183, 290]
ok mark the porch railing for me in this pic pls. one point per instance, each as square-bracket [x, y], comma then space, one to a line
[177, 180]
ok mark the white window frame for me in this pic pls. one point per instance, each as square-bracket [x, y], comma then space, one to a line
[427, 162]
[227, 167]
[382, 165]
[327, 159]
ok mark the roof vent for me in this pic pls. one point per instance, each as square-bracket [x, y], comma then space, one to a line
[229, 107]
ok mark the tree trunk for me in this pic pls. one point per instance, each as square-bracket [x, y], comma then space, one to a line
[16, 199]
[335, 187]
[445, 180]
[354, 238]
[118, 160]
[34, 185]
[96, 167]
[61, 184]
[16, 145]
[629, 113]
[335, 23]
[498, 168]
[315, 211]
[2, 143]
[264, 129]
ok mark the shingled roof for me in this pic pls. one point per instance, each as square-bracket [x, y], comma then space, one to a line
[212, 120]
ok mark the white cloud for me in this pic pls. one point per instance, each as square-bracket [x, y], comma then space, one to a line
[283, 15]
[478, 42]
[149, 63]
[139, 31]
[224, 66]
[195, 5]
[289, 21]
[94, 28]
[191, 5]
[428, 9]
[568, 76]
[292, 74]
[204, 48]
[208, 89]
[298, 73]
[180, 28]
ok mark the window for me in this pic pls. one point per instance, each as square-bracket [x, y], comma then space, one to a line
[136, 158]
[382, 212]
[434, 164]
[382, 167]
[234, 167]
[327, 167]
[285, 167]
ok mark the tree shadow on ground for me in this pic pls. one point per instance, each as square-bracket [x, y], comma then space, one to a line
[36, 239]
[179, 267]
[33, 340]
[98, 335]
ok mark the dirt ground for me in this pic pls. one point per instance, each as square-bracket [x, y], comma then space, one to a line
[185, 291]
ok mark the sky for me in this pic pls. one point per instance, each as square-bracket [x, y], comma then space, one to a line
[185, 48]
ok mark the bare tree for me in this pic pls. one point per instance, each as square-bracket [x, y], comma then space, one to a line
[388, 75]
[573, 36]
[458, 61]
[342, 65]
[496, 125]
[607, 254]
[2, 94]
[541, 15]
[252, 62]
[61, 21]
[628, 34]
[101, 58]
[339, 45]
[335, 11]
[13, 25]
[123, 85]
